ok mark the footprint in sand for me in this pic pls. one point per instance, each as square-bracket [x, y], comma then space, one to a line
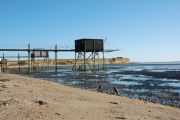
[3, 86]
[8, 102]
[40, 102]
[4, 80]
[121, 118]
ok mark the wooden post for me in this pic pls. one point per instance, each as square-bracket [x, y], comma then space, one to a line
[104, 63]
[29, 58]
[56, 57]
[19, 62]
[98, 63]
[84, 61]
[94, 60]
[3, 64]
[75, 61]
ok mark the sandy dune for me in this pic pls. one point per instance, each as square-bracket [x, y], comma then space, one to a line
[23, 98]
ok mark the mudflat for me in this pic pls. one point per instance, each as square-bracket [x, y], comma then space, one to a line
[25, 98]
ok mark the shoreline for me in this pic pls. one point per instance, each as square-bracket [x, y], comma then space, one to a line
[30, 98]
[152, 90]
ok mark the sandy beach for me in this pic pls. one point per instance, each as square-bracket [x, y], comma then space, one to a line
[24, 98]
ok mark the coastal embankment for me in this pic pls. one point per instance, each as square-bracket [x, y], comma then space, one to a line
[51, 62]
[25, 98]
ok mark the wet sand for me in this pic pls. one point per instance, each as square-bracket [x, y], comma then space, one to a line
[166, 74]
[23, 98]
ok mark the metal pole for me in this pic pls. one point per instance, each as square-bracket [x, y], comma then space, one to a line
[29, 58]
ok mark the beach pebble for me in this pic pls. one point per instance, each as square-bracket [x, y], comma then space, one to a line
[40, 102]
[57, 113]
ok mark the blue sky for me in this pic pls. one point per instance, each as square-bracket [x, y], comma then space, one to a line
[144, 30]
